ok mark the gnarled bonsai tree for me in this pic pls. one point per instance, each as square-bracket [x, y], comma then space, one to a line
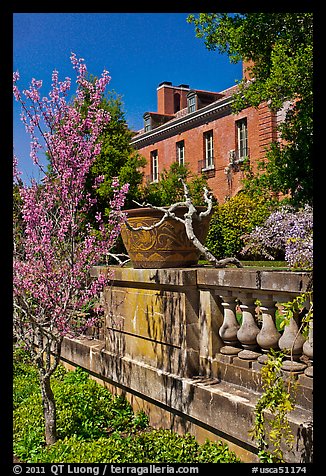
[187, 220]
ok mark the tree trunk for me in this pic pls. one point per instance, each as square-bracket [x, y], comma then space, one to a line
[49, 410]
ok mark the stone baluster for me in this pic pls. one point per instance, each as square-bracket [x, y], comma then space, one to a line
[268, 336]
[247, 334]
[291, 342]
[228, 330]
[308, 350]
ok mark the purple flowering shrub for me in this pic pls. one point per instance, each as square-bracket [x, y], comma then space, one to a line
[286, 231]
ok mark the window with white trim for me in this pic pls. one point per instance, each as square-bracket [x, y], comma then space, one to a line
[147, 123]
[154, 164]
[181, 152]
[242, 138]
[209, 150]
[192, 103]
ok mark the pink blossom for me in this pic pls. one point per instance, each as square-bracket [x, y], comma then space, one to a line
[57, 249]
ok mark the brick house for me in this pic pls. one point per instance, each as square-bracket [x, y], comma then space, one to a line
[198, 127]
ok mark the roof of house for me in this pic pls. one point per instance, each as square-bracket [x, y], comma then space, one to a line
[221, 97]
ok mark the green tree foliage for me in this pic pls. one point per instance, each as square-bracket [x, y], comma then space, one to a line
[117, 158]
[232, 220]
[169, 188]
[279, 47]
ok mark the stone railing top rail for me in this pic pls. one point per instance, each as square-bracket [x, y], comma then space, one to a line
[255, 279]
[235, 278]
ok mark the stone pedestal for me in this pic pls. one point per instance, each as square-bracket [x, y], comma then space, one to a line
[308, 350]
[228, 330]
[292, 342]
[247, 334]
[152, 317]
[268, 336]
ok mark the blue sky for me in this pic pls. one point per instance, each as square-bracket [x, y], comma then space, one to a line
[140, 50]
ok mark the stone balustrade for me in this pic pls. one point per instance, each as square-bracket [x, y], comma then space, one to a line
[251, 336]
[258, 333]
[247, 304]
[189, 345]
[243, 305]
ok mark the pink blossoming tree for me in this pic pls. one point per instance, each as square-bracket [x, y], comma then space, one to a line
[54, 246]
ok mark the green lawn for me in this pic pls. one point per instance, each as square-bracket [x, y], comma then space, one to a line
[255, 264]
[265, 264]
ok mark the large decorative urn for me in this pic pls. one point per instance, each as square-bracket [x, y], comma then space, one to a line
[165, 246]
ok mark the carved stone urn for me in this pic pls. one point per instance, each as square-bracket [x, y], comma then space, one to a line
[165, 246]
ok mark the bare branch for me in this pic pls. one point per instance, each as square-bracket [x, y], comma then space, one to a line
[118, 256]
[167, 213]
[188, 224]
[209, 201]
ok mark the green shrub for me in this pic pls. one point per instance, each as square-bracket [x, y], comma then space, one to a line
[156, 446]
[166, 446]
[216, 452]
[169, 189]
[28, 426]
[84, 409]
[72, 450]
[26, 384]
[94, 426]
[231, 220]
[90, 411]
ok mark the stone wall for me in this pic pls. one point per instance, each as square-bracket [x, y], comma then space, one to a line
[160, 347]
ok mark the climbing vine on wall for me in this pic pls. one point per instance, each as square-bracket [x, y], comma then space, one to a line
[271, 429]
[271, 426]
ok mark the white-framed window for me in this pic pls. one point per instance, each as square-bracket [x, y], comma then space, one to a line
[242, 138]
[181, 152]
[192, 103]
[209, 150]
[154, 163]
[147, 123]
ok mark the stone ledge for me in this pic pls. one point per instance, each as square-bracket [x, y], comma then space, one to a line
[225, 409]
[156, 277]
[275, 281]
[233, 278]
[247, 375]
[255, 279]
[226, 277]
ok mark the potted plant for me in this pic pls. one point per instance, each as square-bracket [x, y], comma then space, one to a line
[159, 236]
[151, 237]
[156, 240]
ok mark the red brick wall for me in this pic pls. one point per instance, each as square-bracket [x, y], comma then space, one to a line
[165, 99]
[246, 66]
[267, 128]
[260, 124]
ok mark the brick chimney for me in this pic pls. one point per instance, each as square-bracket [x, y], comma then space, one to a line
[170, 99]
[246, 66]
